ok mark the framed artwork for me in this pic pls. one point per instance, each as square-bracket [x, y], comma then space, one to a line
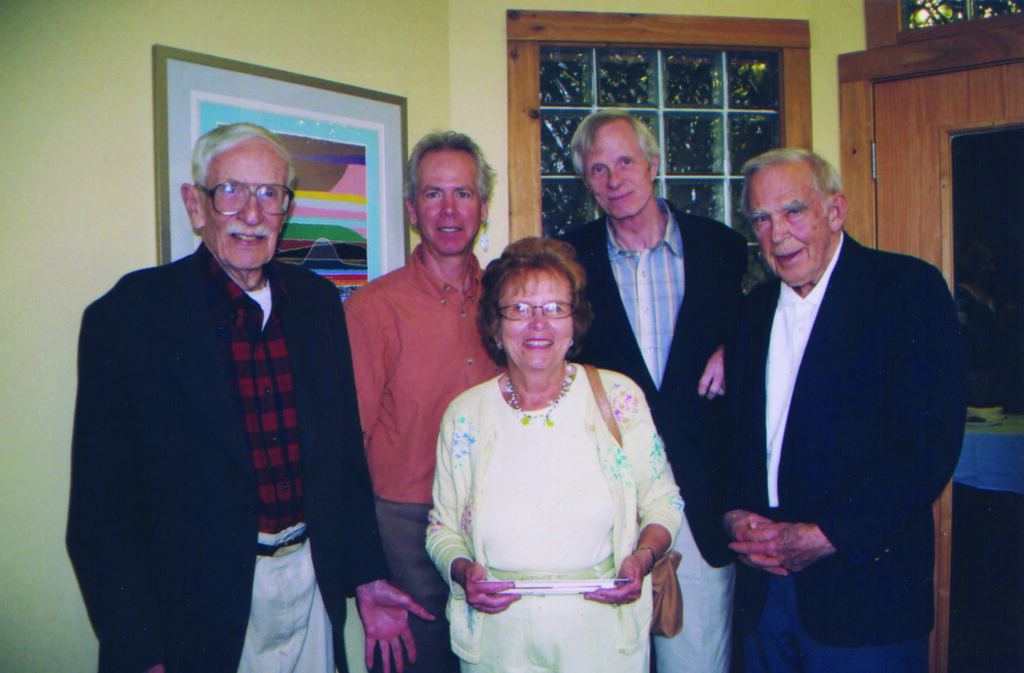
[348, 145]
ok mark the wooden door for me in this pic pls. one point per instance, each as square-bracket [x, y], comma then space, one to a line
[915, 119]
[914, 122]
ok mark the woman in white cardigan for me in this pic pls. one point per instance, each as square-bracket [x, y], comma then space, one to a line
[531, 484]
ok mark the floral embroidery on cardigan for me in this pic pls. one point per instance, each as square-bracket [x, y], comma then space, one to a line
[616, 465]
[463, 438]
[656, 458]
[624, 403]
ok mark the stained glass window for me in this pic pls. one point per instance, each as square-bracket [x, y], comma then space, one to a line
[925, 13]
[710, 110]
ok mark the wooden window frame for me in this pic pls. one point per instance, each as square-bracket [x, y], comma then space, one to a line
[526, 30]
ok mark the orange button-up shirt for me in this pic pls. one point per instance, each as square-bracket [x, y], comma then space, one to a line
[415, 347]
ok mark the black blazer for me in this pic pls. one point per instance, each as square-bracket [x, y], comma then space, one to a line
[164, 510]
[695, 430]
[873, 435]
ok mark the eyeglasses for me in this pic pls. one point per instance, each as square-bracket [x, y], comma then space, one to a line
[556, 310]
[230, 198]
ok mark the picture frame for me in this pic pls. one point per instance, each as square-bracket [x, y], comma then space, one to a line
[348, 146]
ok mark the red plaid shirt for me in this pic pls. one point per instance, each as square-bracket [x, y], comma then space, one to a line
[257, 362]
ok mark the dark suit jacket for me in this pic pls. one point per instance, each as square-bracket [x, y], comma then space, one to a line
[873, 435]
[164, 511]
[695, 430]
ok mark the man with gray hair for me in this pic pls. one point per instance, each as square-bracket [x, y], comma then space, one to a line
[846, 378]
[221, 510]
[416, 347]
[663, 284]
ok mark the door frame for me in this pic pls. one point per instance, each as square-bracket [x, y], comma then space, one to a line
[947, 133]
[972, 47]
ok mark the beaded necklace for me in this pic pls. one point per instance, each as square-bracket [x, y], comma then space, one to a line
[525, 416]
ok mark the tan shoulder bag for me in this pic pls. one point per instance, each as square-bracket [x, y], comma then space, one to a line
[667, 617]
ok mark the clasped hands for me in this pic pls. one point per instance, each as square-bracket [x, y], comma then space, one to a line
[777, 548]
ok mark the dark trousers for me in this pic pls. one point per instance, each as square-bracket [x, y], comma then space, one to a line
[403, 530]
[780, 645]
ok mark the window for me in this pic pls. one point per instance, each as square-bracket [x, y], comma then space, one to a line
[711, 110]
[926, 13]
[890, 22]
[595, 60]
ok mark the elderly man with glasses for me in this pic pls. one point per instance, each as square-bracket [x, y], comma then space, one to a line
[221, 510]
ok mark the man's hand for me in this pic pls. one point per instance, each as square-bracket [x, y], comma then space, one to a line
[712, 383]
[385, 614]
[778, 548]
[748, 528]
[798, 545]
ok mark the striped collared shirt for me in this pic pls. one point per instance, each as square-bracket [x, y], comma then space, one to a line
[651, 283]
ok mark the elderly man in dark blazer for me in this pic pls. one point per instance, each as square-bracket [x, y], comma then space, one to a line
[846, 378]
[221, 510]
[662, 284]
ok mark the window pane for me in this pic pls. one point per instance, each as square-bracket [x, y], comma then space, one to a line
[736, 218]
[986, 9]
[565, 76]
[693, 143]
[626, 77]
[757, 271]
[921, 13]
[565, 203]
[651, 118]
[753, 80]
[750, 135]
[556, 129]
[693, 79]
[699, 197]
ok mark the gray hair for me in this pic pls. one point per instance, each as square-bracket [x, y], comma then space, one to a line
[823, 175]
[586, 132]
[223, 138]
[455, 142]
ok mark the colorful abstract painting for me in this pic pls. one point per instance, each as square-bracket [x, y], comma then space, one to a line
[347, 146]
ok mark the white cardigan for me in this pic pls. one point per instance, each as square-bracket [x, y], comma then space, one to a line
[638, 475]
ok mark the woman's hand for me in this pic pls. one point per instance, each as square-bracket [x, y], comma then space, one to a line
[654, 542]
[633, 569]
[482, 595]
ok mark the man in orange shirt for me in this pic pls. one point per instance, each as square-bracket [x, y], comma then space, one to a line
[415, 347]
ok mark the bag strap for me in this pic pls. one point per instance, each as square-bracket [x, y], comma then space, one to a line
[602, 402]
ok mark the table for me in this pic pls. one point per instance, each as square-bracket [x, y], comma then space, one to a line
[993, 456]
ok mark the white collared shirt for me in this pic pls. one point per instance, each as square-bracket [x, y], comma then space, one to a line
[791, 328]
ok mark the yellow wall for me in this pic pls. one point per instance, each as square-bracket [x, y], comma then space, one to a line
[78, 207]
